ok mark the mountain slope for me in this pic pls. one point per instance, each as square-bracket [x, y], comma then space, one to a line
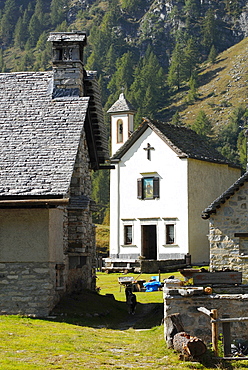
[223, 87]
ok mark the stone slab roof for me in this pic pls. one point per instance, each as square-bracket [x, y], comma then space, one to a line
[185, 142]
[39, 136]
[212, 208]
[121, 105]
[67, 36]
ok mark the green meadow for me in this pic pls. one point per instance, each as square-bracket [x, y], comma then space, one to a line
[94, 331]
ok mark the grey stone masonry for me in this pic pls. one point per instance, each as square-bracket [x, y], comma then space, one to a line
[68, 62]
[27, 288]
[81, 231]
[228, 234]
[198, 324]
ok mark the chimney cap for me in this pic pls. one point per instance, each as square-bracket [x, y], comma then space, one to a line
[79, 36]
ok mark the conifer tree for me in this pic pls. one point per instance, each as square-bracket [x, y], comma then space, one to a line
[25, 24]
[209, 31]
[148, 91]
[176, 119]
[123, 76]
[177, 72]
[192, 11]
[110, 60]
[242, 148]
[19, 35]
[191, 54]
[34, 29]
[229, 138]
[100, 193]
[9, 18]
[130, 5]
[57, 11]
[1, 60]
[192, 94]
[39, 11]
[212, 55]
[202, 125]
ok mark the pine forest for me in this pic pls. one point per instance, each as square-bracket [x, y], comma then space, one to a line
[183, 62]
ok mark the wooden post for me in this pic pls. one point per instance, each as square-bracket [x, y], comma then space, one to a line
[226, 336]
[214, 315]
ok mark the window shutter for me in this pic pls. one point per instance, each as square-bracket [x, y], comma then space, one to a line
[139, 188]
[156, 187]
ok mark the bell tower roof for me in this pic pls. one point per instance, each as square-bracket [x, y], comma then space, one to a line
[121, 105]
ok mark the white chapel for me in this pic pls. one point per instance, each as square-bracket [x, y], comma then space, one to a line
[164, 176]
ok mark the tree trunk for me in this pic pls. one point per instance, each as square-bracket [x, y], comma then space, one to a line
[187, 345]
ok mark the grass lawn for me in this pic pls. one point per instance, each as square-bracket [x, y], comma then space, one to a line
[84, 333]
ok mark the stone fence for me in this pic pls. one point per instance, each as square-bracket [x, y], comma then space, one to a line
[198, 324]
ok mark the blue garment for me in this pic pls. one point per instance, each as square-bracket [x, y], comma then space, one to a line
[152, 286]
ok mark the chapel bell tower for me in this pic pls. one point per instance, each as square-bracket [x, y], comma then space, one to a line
[121, 115]
[68, 67]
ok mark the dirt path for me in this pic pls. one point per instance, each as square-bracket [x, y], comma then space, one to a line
[146, 316]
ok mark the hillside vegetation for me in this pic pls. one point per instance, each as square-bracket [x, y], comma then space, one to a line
[222, 88]
[164, 54]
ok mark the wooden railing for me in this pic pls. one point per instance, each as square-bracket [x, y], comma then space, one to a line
[226, 331]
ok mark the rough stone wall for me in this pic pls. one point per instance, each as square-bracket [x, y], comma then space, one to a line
[81, 231]
[34, 287]
[197, 323]
[149, 266]
[27, 288]
[231, 218]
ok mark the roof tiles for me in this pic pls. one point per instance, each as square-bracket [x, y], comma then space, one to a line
[121, 105]
[185, 142]
[39, 136]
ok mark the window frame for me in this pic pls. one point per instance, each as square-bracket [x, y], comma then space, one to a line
[167, 233]
[119, 127]
[170, 221]
[141, 182]
[126, 234]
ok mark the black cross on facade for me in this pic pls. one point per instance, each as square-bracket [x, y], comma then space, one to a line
[148, 149]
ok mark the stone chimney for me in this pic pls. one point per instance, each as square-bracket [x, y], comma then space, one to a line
[68, 67]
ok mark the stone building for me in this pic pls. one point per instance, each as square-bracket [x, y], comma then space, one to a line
[164, 176]
[228, 228]
[52, 136]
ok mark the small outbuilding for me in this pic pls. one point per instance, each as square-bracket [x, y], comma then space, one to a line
[228, 228]
[52, 136]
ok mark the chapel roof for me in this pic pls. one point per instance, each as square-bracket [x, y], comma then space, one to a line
[121, 105]
[212, 208]
[185, 142]
[39, 136]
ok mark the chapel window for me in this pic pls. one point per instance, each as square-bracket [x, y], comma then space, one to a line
[170, 234]
[148, 188]
[128, 234]
[119, 131]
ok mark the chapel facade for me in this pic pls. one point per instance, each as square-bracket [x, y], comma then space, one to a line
[163, 176]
